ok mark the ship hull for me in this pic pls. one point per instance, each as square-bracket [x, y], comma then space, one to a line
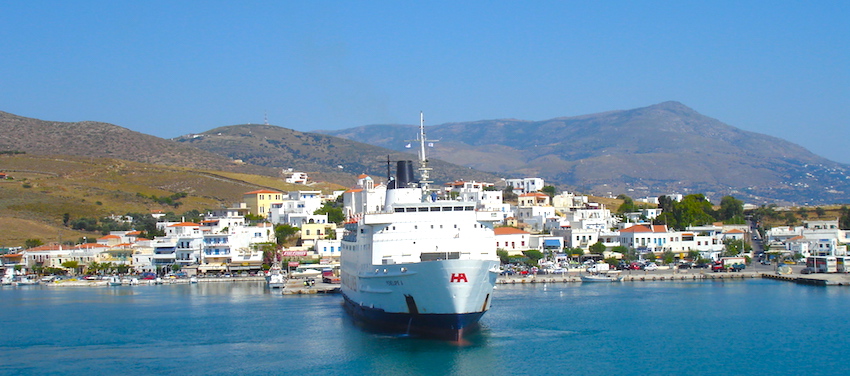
[435, 299]
[445, 326]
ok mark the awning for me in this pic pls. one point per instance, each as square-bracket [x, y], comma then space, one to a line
[552, 243]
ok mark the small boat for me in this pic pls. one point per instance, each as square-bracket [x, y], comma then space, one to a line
[27, 280]
[600, 278]
[193, 279]
[113, 281]
[307, 273]
[275, 279]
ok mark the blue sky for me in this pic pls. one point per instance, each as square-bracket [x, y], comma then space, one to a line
[169, 68]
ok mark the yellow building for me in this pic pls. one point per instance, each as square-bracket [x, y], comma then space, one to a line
[260, 202]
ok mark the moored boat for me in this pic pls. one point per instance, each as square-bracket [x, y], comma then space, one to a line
[420, 265]
[113, 280]
[600, 278]
[26, 280]
[275, 279]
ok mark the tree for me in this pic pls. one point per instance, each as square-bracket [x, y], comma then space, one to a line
[651, 257]
[628, 205]
[597, 248]
[667, 257]
[65, 218]
[735, 247]
[844, 219]
[333, 211]
[820, 212]
[283, 232]
[629, 254]
[503, 256]
[693, 254]
[32, 243]
[790, 218]
[549, 190]
[731, 210]
[71, 265]
[533, 255]
[694, 209]
[612, 261]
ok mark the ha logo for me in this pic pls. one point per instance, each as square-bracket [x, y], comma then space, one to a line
[458, 277]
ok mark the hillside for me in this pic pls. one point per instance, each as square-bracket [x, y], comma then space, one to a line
[660, 149]
[103, 140]
[323, 157]
[43, 188]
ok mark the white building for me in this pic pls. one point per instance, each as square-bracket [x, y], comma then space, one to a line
[296, 208]
[512, 240]
[525, 185]
[365, 197]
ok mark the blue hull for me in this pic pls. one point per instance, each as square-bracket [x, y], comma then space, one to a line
[452, 327]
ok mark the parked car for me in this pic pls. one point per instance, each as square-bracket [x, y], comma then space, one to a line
[737, 267]
[718, 267]
[701, 265]
[807, 270]
[650, 267]
[684, 265]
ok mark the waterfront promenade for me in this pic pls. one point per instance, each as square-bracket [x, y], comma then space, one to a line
[760, 271]
[574, 276]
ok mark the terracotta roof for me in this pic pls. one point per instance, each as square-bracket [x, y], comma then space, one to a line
[534, 194]
[734, 231]
[185, 224]
[798, 237]
[354, 190]
[508, 231]
[644, 228]
[109, 237]
[90, 246]
[49, 247]
[261, 191]
[131, 233]
[363, 176]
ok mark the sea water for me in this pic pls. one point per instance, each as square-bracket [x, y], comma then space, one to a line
[752, 327]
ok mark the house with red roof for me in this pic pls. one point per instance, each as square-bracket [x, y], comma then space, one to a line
[512, 240]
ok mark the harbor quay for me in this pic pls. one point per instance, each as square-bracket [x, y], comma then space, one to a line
[823, 279]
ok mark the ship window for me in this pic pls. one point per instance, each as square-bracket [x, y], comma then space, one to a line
[422, 209]
[469, 208]
[432, 227]
[435, 208]
[458, 208]
[399, 210]
[447, 209]
[455, 226]
[393, 228]
[410, 210]
[415, 227]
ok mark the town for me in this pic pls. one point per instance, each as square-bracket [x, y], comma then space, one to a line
[538, 231]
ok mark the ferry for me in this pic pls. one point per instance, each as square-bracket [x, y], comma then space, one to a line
[421, 266]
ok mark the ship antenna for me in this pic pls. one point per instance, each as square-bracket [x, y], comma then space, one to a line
[424, 170]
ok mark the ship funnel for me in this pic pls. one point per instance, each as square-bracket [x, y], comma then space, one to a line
[404, 174]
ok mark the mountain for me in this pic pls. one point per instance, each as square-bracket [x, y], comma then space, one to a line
[103, 140]
[326, 157]
[660, 149]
